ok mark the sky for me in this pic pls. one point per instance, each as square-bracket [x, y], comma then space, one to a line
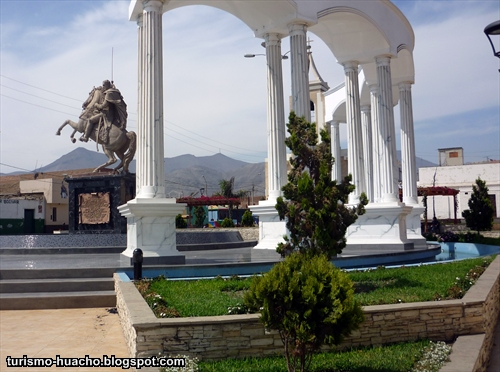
[52, 53]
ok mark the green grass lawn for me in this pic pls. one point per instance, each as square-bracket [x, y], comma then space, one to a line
[392, 358]
[417, 356]
[190, 298]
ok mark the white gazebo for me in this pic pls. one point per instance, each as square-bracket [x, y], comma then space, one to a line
[369, 36]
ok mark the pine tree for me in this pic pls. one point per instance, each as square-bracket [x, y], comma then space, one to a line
[479, 216]
[314, 205]
[200, 215]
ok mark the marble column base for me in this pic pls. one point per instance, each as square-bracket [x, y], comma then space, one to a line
[381, 229]
[271, 231]
[414, 227]
[151, 227]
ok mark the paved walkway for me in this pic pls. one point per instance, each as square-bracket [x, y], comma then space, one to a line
[73, 333]
[70, 333]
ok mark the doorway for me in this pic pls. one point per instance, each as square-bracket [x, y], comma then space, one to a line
[29, 221]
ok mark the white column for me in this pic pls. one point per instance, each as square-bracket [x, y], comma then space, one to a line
[150, 154]
[355, 142]
[335, 148]
[320, 114]
[387, 140]
[276, 149]
[376, 155]
[300, 70]
[140, 94]
[383, 227]
[408, 161]
[271, 229]
[366, 125]
[151, 216]
[409, 168]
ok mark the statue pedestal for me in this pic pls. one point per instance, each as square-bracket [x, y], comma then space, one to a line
[271, 231]
[414, 227]
[94, 200]
[381, 229]
[151, 227]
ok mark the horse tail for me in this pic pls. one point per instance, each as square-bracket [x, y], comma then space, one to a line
[132, 146]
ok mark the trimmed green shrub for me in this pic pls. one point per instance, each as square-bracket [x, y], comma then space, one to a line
[247, 219]
[309, 302]
[226, 222]
[479, 216]
[313, 205]
[180, 222]
[200, 215]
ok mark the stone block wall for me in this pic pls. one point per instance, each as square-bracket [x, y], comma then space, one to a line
[238, 336]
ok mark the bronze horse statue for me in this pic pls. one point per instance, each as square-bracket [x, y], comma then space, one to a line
[117, 141]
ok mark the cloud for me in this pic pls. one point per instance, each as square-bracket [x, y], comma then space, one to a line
[214, 98]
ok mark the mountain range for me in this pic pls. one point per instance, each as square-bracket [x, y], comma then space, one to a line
[186, 174]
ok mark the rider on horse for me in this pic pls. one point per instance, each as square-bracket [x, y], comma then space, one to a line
[113, 110]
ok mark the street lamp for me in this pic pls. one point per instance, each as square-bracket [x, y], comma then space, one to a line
[249, 55]
[493, 29]
[206, 185]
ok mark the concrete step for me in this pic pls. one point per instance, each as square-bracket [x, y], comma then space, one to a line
[57, 273]
[56, 285]
[57, 300]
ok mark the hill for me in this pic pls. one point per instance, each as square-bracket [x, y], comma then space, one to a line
[185, 174]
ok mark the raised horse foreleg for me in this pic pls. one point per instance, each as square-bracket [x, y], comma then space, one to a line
[75, 126]
[111, 159]
[58, 133]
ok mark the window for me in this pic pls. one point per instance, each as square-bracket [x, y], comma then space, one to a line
[454, 154]
[54, 214]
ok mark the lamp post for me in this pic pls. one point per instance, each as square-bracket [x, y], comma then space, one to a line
[206, 185]
[493, 29]
[250, 55]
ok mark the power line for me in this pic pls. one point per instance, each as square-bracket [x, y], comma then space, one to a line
[45, 90]
[187, 130]
[131, 120]
[34, 95]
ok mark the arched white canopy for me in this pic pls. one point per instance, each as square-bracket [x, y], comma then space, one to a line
[353, 30]
[373, 36]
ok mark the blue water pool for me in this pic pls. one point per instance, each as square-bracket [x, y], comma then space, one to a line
[459, 251]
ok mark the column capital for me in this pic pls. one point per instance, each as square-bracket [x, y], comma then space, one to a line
[366, 108]
[152, 5]
[297, 28]
[383, 60]
[404, 86]
[139, 20]
[351, 66]
[272, 39]
[373, 88]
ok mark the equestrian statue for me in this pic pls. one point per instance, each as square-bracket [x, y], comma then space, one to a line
[104, 120]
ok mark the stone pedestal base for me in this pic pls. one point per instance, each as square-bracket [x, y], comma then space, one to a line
[414, 227]
[151, 227]
[381, 229]
[271, 231]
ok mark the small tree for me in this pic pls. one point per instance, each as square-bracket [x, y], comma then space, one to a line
[480, 214]
[314, 205]
[180, 222]
[227, 222]
[309, 302]
[247, 219]
[200, 215]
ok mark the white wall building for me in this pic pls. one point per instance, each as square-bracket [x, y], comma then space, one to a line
[56, 200]
[22, 214]
[462, 178]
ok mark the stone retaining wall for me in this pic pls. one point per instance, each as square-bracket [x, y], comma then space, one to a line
[184, 236]
[238, 336]
[247, 233]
